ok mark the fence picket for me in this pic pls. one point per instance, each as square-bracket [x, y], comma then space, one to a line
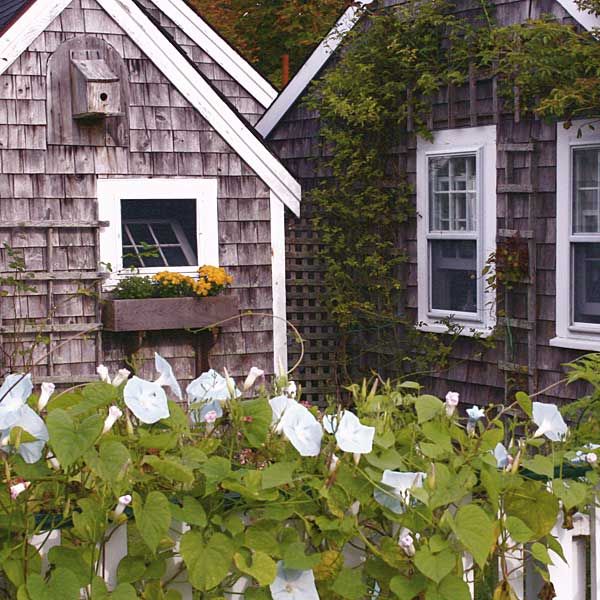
[44, 542]
[595, 551]
[469, 573]
[515, 563]
[115, 549]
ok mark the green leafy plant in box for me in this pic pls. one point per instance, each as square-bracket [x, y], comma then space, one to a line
[112, 490]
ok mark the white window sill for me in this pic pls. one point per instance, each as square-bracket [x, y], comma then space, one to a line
[473, 329]
[576, 343]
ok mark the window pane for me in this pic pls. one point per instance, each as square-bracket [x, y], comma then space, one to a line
[130, 258]
[586, 283]
[586, 208]
[452, 193]
[164, 233]
[174, 256]
[454, 275]
[140, 233]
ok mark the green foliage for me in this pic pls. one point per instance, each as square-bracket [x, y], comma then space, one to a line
[250, 500]
[135, 287]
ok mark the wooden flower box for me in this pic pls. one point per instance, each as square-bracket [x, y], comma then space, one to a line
[153, 314]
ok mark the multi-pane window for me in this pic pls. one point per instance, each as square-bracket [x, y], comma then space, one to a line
[157, 225]
[456, 227]
[158, 233]
[577, 237]
[453, 232]
[585, 235]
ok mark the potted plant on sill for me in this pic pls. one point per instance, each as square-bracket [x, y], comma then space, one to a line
[170, 300]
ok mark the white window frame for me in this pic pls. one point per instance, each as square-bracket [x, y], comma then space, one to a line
[480, 141]
[110, 192]
[579, 336]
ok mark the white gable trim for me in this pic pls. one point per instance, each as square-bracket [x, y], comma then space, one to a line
[27, 28]
[583, 17]
[310, 68]
[280, 348]
[176, 69]
[197, 29]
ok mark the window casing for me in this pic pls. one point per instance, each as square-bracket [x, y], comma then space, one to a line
[157, 225]
[577, 237]
[456, 228]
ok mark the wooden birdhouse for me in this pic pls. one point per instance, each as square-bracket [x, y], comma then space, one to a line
[96, 89]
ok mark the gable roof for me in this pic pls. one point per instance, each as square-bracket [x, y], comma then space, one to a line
[177, 69]
[318, 59]
[199, 31]
[9, 10]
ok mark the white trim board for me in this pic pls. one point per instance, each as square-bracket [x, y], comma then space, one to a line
[320, 56]
[197, 29]
[310, 68]
[280, 357]
[176, 68]
[583, 17]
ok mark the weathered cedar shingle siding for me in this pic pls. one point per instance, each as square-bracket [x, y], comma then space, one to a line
[296, 141]
[168, 138]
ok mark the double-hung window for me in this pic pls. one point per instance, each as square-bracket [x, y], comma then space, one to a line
[158, 225]
[578, 238]
[456, 212]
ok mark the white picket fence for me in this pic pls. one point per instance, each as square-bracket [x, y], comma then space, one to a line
[572, 579]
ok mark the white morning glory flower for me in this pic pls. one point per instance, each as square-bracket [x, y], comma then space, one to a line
[28, 420]
[13, 395]
[47, 391]
[452, 400]
[503, 458]
[253, 375]
[167, 377]
[279, 405]
[210, 412]
[399, 484]
[549, 421]
[209, 386]
[290, 584]
[475, 413]
[350, 434]
[591, 458]
[301, 428]
[146, 400]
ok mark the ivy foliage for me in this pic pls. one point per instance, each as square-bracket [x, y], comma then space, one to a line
[371, 103]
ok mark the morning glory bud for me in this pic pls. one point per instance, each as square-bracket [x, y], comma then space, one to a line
[121, 376]
[452, 399]
[47, 391]
[253, 375]
[406, 542]
[103, 373]
[114, 413]
[18, 488]
[124, 501]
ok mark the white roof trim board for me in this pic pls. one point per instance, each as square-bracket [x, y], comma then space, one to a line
[584, 18]
[310, 68]
[176, 69]
[216, 47]
[321, 55]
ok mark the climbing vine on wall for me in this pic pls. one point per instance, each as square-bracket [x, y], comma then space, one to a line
[382, 86]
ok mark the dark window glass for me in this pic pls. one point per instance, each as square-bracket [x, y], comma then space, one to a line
[586, 283]
[454, 275]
